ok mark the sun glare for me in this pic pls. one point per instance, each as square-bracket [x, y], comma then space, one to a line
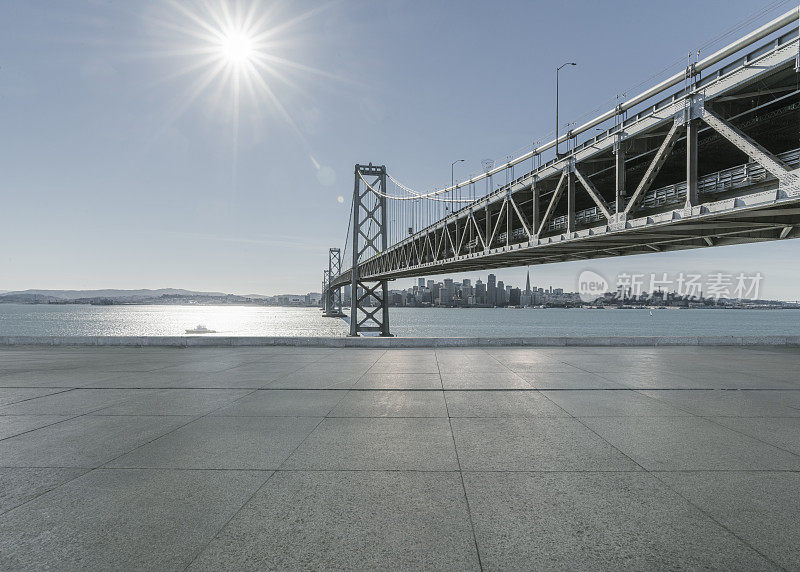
[237, 48]
[233, 54]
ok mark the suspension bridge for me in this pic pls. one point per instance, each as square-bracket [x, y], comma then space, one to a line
[707, 157]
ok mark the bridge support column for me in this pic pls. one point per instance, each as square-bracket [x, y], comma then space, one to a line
[536, 214]
[369, 305]
[325, 281]
[619, 164]
[488, 224]
[691, 162]
[570, 201]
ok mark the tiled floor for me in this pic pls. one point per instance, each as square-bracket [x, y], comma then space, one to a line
[307, 458]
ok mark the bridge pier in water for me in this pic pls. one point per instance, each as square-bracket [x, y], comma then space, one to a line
[332, 297]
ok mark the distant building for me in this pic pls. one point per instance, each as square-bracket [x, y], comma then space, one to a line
[445, 296]
[480, 292]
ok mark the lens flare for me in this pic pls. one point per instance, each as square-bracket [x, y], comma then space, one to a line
[237, 48]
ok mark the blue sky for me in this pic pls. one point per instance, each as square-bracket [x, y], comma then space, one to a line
[116, 171]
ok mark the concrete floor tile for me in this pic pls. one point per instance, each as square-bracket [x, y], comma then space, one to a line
[284, 403]
[762, 508]
[17, 394]
[483, 380]
[11, 425]
[399, 381]
[124, 520]
[83, 441]
[348, 520]
[690, 378]
[783, 432]
[486, 366]
[616, 403]
[391, 404]
[216, 442]
[541, 368]
[522, 403]
[74, 402]
[152, 380]
[595, 521]
[534, 444]
[406, 363]
[56, 377]
[730, 403]
[566, 380]
[316, 379]
[174, 402]
[18, 486]
[423, 444]
[689, 443]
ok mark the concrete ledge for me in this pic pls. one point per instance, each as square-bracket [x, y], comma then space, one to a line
[376, 342]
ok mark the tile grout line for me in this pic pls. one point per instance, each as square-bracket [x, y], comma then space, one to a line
[66, 417]
[292, 452]
[655, 476]
[760, 440]
[65, 390]
[461, 473]
[227, 522]
[719, 523]
[191, 420]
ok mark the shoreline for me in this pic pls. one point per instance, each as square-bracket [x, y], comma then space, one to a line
[394, 342]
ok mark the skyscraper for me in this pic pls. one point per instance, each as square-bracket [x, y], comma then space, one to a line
[491, 290]
[480, 292]
[421, 283]
[528, 282]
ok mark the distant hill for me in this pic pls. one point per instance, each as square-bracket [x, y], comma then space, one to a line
[25, 298]
[28, 296]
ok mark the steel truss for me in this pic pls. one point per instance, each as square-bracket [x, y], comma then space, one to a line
[535, 219]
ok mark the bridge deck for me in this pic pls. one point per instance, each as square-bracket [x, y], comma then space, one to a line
[634, 458]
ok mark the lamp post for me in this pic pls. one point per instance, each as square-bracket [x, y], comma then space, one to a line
[558, 69]
[452, 176]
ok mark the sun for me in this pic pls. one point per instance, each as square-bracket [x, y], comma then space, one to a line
[237, 48]
[234, 57]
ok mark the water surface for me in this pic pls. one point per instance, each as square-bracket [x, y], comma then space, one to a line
[78, 320]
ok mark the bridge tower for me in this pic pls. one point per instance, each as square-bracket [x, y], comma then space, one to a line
[370, 236]
[325, 281]
[333, 296]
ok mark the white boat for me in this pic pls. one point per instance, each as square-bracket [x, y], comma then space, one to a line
[201, 329]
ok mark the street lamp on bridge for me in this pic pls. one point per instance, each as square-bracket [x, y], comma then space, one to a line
[558, 69]
[452, 177]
